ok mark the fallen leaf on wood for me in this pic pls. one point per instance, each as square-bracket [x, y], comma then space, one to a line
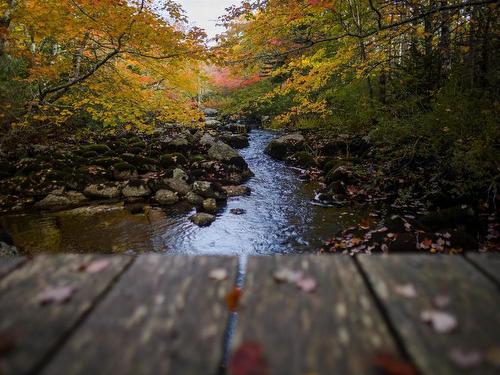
[233, 299]
[465, 358]
[406, 290]
[55, 295]
[441, 321]
[96, 266]
[218, 274]
[307, 284]
[286, 275]
[391, 365]
[248, 359]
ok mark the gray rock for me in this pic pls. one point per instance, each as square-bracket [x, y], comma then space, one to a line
[203, 188]
[180, 174]
[102, 191]
[235, 140]
[8, 250]
[131, 191]
[207, 140]
[212, 124]
[225, 153]
[210, 205]
[237, 211]
[58, 200]
[178, 185]
[166, 197]
[281, 147]
[179, 142]
[210, 112]
[235, 191]
[194, 198]
[202, 219]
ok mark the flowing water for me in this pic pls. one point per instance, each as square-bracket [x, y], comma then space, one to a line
[278, 218]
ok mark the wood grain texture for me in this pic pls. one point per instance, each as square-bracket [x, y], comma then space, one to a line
[38, 329]
[165, 316]
[488, 262]
[474, 301]
[334, 330]
[9, 264]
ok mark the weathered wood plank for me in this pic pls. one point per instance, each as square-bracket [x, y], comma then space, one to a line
[9, 264]
[489, 263]
[336, 329]
[38, 329]
[165, 316]
[473, 301]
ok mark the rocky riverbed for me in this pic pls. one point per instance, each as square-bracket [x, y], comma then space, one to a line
[201, 167]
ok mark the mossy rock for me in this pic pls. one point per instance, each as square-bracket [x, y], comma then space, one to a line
[98, 148]
[28, 166]
[331, 163]
[89, 154]
[110, 153]
[198, 158]
[135, 150]
[123, 166]
[131, 138]
[142, 163]
[138, 144]
[62, 163]
[171, 160]
[104, 161]
[303, 159]
[341, 174]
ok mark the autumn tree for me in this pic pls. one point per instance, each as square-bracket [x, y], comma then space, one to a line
[127, 63]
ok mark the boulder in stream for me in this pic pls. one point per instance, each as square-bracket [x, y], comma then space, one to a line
[166, 197]
[281, 147]
[58, 200]
[202, 219]
[102, 191]
[225, 153]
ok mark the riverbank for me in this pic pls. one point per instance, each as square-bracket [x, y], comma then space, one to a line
[422, 215]
[200, 167]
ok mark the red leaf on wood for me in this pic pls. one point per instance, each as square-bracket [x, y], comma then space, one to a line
[233, 299]
[248, 359]
[391, 365]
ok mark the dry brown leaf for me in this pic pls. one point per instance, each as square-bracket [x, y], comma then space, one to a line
[286, 275]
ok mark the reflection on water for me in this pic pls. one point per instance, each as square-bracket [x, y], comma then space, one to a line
[279, 218]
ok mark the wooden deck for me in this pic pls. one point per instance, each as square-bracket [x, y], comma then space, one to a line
[156, 314]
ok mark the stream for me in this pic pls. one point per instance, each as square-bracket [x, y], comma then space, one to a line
[279, 218]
